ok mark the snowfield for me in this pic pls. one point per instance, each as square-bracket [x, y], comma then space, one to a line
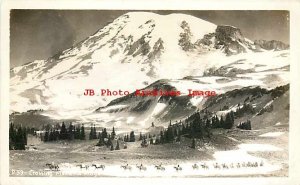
[132, 52]
[232, 158]
[170, 171]
[272, 134]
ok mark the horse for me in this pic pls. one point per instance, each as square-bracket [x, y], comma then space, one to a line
[224, 166]
[160, 167]
[49, 165]
[52, 165]
[243, 164]
[249, 164]
[195, 166]
[56, 167]
[99, 166]
[126, 167]
[141, 167]
[216, 165]
[83, 166]
[261, 163]
[178, 168]
[204, 166]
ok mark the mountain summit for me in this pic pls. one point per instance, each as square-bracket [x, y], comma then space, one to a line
[130, 53]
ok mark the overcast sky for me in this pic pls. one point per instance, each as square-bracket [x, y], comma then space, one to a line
[39, 34]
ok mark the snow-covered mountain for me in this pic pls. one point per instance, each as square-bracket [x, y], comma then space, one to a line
[135, 111]
[137, 49]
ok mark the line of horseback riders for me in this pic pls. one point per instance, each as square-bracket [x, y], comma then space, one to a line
[160, 167]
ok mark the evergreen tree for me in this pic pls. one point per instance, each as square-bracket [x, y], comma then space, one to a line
[51, 135]
[124, 138]
[56, 135]
[218, 124]
[213, 122]
[71, 132]
[91, 133]
[141, 137]
[192, 129]
[166, 138]
[77, 132]
[249, 125]
[229, 121]
[117, 146]
[94, 132]
[151, 141]
[113, 133]
[101, 140]
[111, 147]
[25, 136]
[82, 133]
[207, 124]
[207, 128]
[132, 137]
[161, 140]
[20, 139]
[109, 142]
[183, 131]
[104, 133]
[63, 131]
[46, 137]
[193, 143]
[17, 137]
[197, 122]
[12, 136]
[178, 138]
[222, 122]
[169, 134]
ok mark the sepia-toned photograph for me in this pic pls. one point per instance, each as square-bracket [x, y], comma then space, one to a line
[149, 93]
[121, 93]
